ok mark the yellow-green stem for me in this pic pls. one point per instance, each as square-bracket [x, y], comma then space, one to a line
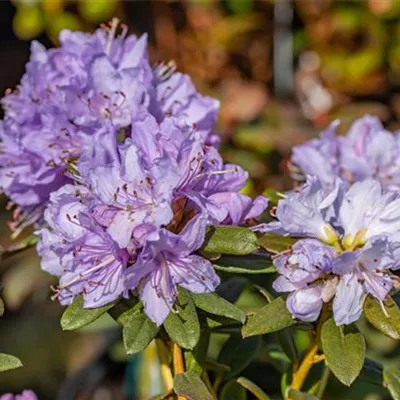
[166, 373]
[179, 366]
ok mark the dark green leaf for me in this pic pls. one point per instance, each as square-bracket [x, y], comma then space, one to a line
[288, 344]
[214, 304]
[8, 362]
[250, 264]
[191, 386]
[270, 318]
[183, 326]
[232, 288]
[238, 353]
[240, 6]
[297, 395]
[372, 373]
[391, 380]
[344, 348]
[214, 366]
[138, 330]
[388, 324]
[75, 316]
[253, 388]
[274, 243]
[232, 391]
[230, 240]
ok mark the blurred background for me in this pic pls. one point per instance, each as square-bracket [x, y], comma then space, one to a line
[282, 70]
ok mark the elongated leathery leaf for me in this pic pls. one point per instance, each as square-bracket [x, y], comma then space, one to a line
[230, 240]
[190, 385]
[388, 320]
[183, 327]
[214, 304]
[138, 330]
[75, 316]
[344, 348]
[391, 380]
[8, 362]
[270, 318]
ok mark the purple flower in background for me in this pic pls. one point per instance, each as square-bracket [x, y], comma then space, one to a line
[25, 395]
[367, 151]
[355, 235]
[167, 262]
[319, 157]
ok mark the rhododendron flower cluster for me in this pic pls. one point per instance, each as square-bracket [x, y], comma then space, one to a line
[117, 163]
[366, 151]
[349, 247]
[70, 93]
[132, 223]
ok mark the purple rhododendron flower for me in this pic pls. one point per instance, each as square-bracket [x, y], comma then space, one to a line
[89, 87]
[367, 151]
[305, 274]
[167, 262]
[25, 395]
[80, 252]
[360, 225]
[136, 214]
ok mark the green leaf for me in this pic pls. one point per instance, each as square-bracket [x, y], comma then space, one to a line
[270, 318]
[138, 330]
[344, 348]
[250, 264]
[238, 353]
[274, 243]
[253, 388]
[230, 240]
[391, 380]
[297, 395]
[8, 362]
[75, 316]
[388, 324]
[183, 327]
[287, 341]
[192, 364]
[214, 304]
[191, 386]
[232, 391]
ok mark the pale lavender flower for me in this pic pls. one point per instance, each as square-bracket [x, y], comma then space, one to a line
[81, 93]
[366, 151]
[80, 252]
[167, 262]
[359, 228]
[305, 273]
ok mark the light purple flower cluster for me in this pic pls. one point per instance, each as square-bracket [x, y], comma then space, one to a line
[25, 395]
[144, 180]
[350, 241]
[367, 151]
[70, 93]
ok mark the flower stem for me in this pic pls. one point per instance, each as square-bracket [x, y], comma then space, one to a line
[164, 358]
[323, 382]
[301, 374]
[179, 366]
